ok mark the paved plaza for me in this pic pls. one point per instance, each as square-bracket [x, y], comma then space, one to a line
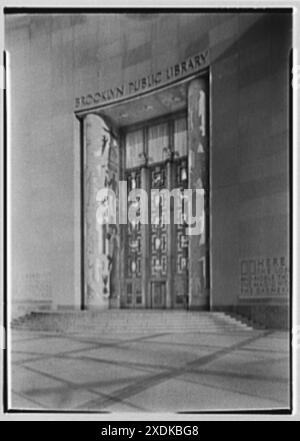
[155, 372]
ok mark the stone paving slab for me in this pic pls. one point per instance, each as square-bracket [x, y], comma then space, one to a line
[155, 372]
[182, 396]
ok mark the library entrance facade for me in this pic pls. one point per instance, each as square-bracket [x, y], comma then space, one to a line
[158, 141]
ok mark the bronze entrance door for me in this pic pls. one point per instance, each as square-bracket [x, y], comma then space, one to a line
[133, 252]
[158, 241]
[156, 255]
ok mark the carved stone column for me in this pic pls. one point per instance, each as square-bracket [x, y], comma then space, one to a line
[101, 227]
[198, 144]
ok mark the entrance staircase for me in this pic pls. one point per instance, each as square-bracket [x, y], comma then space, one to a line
[124, 321]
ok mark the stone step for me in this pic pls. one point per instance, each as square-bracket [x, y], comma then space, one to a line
[122, 321]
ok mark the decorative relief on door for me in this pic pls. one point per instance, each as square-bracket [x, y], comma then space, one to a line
[156, 254]
[101, 238]
[158, 228]
[133, 239]
[182, 243]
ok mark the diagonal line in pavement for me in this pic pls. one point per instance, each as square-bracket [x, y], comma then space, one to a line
[153, 380]
[227, 389]
[242, 376]
[22, 395]
[70, 386]
[123, 363]
[94, 345]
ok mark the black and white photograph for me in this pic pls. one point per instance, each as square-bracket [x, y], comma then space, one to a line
[148, 234]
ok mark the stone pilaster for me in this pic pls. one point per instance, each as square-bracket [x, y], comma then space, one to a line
[101, 236]
[198, 144]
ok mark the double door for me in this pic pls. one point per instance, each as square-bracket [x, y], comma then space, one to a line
[156, 254]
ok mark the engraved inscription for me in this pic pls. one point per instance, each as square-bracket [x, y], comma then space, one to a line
[264, 277]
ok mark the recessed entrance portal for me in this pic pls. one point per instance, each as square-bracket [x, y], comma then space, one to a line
[156, 142]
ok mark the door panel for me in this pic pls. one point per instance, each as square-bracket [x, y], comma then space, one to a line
[133, 253]
[158, 295]
[182, 243]
[134, 298]
[158, 239]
